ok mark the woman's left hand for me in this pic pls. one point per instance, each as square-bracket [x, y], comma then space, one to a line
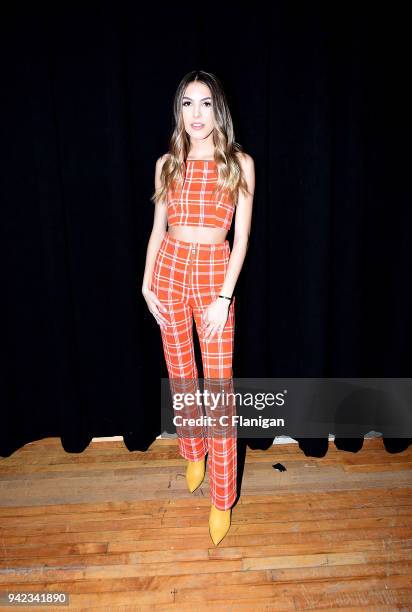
[214, 318]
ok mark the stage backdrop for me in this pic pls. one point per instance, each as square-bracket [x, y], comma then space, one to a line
[318, 96]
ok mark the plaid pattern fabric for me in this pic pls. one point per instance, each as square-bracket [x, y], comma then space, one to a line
[187, 277]
[193, 202]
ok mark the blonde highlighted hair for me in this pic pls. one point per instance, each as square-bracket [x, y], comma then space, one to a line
[230, 174]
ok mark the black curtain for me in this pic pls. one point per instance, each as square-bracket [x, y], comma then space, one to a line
[318, 93]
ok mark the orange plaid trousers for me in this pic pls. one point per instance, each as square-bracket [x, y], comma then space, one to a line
[187, 277]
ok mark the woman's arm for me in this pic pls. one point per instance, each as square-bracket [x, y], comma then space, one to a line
[243, 221]
[158, 231]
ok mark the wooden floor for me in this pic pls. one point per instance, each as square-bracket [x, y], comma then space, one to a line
[119, 530]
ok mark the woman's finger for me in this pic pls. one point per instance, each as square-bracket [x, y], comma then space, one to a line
[220, 331]
[159, 317]
[161, 307]
[211, 331]
[162, 318]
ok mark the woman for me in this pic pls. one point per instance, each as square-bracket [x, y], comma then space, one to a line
[190, 271]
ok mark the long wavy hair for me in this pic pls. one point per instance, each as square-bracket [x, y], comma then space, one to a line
[230, 174]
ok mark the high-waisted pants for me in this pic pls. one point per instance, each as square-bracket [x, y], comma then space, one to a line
[187, 277]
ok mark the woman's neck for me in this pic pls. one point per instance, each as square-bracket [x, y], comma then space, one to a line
[205, 152]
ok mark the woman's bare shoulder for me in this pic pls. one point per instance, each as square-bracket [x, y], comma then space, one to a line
[161, 160]
[248, 168]
[244, 158]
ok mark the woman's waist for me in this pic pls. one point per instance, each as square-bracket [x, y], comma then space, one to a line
[198, 235]
[181, 251]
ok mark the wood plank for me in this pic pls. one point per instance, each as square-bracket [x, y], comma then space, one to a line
[119, 529]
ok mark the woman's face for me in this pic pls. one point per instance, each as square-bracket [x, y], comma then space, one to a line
[197, 108]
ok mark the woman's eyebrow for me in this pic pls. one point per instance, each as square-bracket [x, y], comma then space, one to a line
[207, 98]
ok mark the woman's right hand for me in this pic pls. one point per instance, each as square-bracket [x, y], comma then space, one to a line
[156, 307]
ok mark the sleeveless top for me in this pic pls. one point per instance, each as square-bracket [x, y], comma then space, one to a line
[193, 202]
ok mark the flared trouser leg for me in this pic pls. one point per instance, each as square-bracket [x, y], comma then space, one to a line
[179, 353]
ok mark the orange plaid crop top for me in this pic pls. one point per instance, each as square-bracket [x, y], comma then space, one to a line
[193, 203]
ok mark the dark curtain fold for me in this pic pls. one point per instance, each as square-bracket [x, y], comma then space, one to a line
[318, 96]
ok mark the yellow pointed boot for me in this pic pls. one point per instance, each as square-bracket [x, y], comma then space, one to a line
[195, 473]
[219, 524]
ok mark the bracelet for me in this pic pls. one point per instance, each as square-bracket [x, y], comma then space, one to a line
[226, 298]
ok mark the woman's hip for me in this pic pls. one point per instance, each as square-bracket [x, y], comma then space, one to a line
[198, 265]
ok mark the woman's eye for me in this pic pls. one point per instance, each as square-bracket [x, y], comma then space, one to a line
[186, 102]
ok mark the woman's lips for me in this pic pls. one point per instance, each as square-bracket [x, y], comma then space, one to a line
[198, 127]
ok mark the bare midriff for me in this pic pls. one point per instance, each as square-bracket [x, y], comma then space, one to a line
[194, 233]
